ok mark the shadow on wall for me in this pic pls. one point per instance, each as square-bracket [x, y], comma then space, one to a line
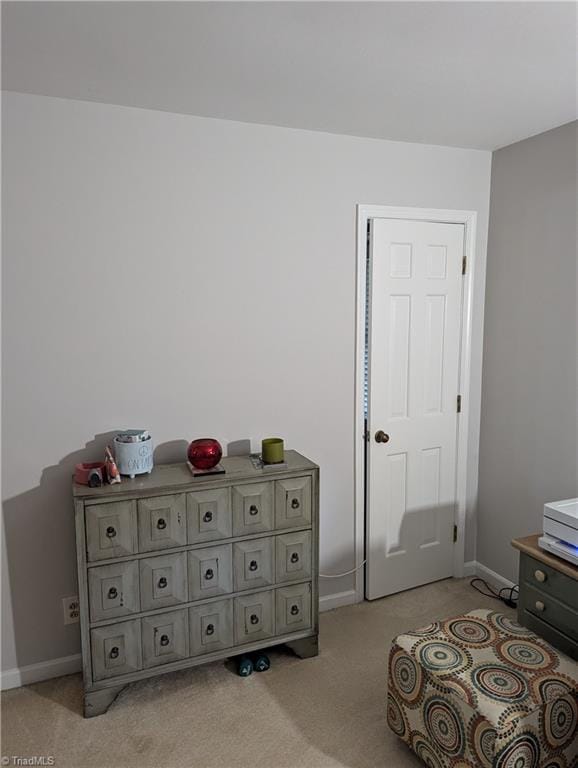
[41, 553]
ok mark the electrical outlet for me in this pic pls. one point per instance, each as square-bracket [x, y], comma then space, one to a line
[71, 608]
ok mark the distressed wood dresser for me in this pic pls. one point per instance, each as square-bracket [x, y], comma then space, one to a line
[176, 571]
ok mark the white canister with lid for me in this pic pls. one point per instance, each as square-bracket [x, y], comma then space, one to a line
[133, 458]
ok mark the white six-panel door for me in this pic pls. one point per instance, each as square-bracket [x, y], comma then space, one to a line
[414, 351]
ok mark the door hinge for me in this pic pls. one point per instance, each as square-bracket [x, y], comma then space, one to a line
[455, 533]
[464, 263]
[459, 404]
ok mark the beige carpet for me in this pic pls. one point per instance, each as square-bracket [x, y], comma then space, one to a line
[325, 711]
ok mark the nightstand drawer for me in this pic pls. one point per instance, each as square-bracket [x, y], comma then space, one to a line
[209, 515]
[549, 581]
[253, 564]
[165, 638]
[252, 508]
[293, 556]
[116, 649]
[552, 611]
[210, 572]
[293, 608]
[111, 530]
[254, 617]
[162, 523]
[163, 581]
[211, 627]
[293, 502]
[113, 590]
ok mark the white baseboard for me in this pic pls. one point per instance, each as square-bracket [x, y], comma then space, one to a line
[338, 600]
[473, 568]
[44, 670]
[492, 577]
[68, 665]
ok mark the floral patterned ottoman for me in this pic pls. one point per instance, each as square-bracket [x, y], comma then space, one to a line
[480, 691]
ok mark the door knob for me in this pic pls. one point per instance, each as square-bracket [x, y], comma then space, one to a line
[381, 436]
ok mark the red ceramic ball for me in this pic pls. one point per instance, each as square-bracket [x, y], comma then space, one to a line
[205, 453]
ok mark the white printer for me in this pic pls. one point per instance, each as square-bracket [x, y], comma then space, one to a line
[561, 529]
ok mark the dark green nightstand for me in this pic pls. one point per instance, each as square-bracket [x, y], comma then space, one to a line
[548, 603]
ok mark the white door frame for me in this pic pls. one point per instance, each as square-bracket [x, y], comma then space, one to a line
[469, 220]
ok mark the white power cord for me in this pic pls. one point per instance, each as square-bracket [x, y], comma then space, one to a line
[339, 575]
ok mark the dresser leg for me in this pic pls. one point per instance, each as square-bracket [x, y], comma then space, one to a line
[97, 702]
[305, 648]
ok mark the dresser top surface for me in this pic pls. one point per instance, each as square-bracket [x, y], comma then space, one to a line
[167, 476]
[529, 546]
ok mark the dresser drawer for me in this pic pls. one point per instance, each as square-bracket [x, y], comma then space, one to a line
[209, 515]
[113, 590]
[549, 581]
[293, 608]
[293, 502]
[111, 530]
[252, 508]
[116, 649]
[253, 564]
[552, 611]
[163, 581]
[254, 617]
[293, 556]
[211, 627]
[165, 638]
[210, 572]
[162, 523]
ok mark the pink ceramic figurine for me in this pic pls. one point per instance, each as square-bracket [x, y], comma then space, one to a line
[112, 472]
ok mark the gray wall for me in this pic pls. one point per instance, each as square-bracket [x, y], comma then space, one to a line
[529, 401]
[128, 235]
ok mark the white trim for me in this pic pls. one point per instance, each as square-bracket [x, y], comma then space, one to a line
[469, 220]
[44, 670]
[68, 665]
[473, 568]
[492, 577]
[338, 600]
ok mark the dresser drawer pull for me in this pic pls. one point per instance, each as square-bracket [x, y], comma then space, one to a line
[161, 524]
[540, 606]
[207, 517]
[253, 565]
[210, 630]
[295, 504]
[294, 557]
[162, 582]
[164, 640]
[294, 610]
[209, 573]
[253, 510]
[254, 618]
[112, 593]
[113, 652]
[110, 532]
[540, 576]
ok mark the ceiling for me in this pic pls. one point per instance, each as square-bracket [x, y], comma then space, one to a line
[480, 74]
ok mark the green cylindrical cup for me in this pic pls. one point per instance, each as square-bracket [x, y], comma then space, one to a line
[272, 450]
